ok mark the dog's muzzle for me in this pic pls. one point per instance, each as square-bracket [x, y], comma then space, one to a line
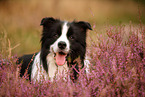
[61, 53]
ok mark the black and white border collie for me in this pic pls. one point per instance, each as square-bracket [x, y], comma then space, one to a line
[62, 42]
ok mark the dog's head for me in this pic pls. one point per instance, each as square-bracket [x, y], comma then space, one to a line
[64, 39]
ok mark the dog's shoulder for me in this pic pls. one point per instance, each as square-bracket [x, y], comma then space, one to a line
[25, 61]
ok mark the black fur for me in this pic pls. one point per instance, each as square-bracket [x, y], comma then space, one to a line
[51, 31]
[27, 61]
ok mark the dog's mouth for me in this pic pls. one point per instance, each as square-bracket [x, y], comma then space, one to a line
[60, 58]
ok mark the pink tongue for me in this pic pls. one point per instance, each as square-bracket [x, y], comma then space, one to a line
[60, 59]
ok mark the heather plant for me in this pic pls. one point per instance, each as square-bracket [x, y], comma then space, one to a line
[117, 68]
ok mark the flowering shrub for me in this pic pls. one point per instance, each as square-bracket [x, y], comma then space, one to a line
[117, 68]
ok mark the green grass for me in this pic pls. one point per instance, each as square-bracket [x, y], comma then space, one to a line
[117, 68]
[20, 20]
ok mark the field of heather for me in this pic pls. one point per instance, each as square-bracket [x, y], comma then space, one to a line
[116, 47]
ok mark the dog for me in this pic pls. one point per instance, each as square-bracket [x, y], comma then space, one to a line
[62, 43]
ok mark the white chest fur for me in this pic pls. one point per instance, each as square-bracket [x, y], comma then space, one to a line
[38, 73]
[56, 71]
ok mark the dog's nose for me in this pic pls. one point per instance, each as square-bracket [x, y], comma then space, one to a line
[62, 45]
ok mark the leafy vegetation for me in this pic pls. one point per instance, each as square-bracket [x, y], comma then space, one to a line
[117, 69]
[116, 53]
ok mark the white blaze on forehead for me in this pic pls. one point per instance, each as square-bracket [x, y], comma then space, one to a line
[65, 28]
[63, 37]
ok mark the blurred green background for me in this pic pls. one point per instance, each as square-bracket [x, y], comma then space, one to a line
[20, 29]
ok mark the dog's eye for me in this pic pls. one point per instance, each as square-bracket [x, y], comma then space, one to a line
[71, 37]
[55, 35]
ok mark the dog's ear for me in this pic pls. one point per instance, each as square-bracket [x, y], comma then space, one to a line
[47, 21]
[84, 25]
